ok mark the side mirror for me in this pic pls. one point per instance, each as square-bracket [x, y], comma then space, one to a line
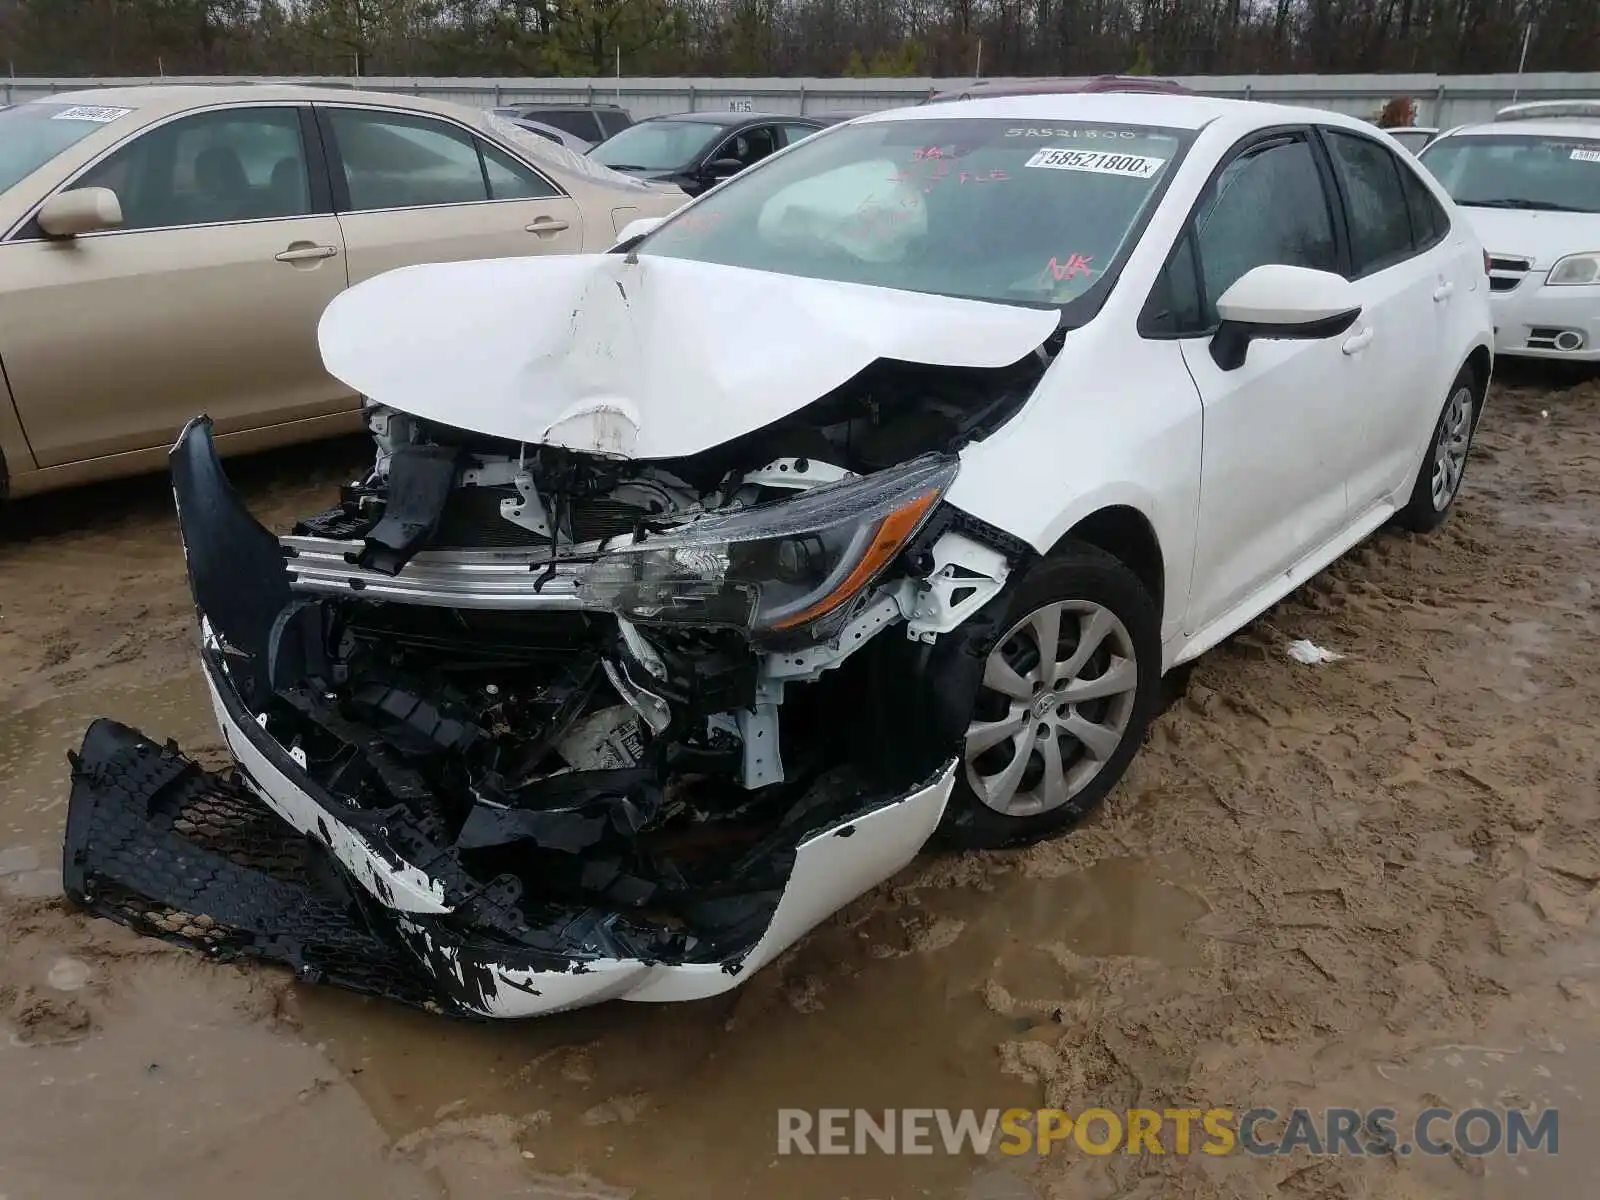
[637, 228]
[81, 210]
[1278, 301]
[721, 168]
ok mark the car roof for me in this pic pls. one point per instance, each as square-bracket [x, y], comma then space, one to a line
[711, 117]
[1061, 84]
[1539, 118]
[159, 99]
[1133, 108]
[570, 107]
[1550, 127]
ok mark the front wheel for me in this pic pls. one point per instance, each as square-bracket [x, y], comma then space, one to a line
[1067, 694]
[1445, 463]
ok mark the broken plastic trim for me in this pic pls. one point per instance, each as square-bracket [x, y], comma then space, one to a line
[265, 863]
[159, 845]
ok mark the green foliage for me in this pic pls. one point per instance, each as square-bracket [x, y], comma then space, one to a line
[589, 34]
[906, 59]
[886, 38]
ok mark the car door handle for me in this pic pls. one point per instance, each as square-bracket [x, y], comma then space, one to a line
[1443, 292]
[548, 225]
[1358, 343]
[305, 253]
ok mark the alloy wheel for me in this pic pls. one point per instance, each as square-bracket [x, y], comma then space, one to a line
[1057, 696]
[1450, 448]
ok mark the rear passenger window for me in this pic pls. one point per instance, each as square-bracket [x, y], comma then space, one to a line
[510, 179]
[1375, 201]
[1267, 206]
[613, 123]
[400, 161]
[579, 122]
[797, 133]
[1429, 221]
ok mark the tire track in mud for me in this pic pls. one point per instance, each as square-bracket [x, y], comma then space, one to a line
[1393, 849]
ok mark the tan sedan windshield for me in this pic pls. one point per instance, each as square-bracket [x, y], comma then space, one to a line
[33, 134]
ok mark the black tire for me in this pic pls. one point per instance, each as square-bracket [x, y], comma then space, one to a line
[1076, 574]
[1423, 512]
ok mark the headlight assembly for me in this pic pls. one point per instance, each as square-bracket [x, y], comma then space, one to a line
[1576, 268]
[775, 566]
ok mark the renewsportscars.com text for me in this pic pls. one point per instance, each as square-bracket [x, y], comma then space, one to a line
[1263, 1132]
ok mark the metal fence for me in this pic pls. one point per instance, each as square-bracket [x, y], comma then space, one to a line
[1442, 100]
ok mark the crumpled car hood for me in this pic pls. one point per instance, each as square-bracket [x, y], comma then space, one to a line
[653, 358]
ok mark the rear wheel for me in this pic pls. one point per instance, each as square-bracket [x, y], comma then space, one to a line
[1444, 465]
[1067, 694]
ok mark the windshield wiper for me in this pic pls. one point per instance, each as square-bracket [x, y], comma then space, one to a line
[625, 166]
[1534, 205]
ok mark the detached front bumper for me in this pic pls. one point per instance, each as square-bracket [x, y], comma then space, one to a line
[266, 863]
[1536, 321]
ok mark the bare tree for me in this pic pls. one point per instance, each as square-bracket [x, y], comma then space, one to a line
[800, 37]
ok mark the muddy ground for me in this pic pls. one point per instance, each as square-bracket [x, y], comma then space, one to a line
[1367, 882]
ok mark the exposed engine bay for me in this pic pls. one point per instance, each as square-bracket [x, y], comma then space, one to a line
[552, 714]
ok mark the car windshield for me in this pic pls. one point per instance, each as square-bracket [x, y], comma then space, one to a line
[657, 145]
[34, 133]
[1519, 171]
[979, 208]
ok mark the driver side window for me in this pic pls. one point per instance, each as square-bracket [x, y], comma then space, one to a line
[1268, 206]
[228, 165]
[749, 146]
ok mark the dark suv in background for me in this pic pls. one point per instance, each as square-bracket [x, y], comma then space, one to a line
[591, 122]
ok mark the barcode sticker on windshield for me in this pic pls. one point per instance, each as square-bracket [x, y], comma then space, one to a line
[1101, 162]
[97, 113]
[1587, 155]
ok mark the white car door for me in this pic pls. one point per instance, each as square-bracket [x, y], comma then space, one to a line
[1279, 441]
[1406, 283]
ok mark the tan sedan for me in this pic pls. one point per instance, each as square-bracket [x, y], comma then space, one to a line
[166, 251]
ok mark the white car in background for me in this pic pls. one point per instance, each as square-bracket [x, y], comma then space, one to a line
[1413, 137]
[697, 585]
[1529, 181]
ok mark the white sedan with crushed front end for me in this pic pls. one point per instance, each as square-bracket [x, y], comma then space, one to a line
[865, 501]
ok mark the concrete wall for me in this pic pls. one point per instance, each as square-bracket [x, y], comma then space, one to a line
[1441, 99]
